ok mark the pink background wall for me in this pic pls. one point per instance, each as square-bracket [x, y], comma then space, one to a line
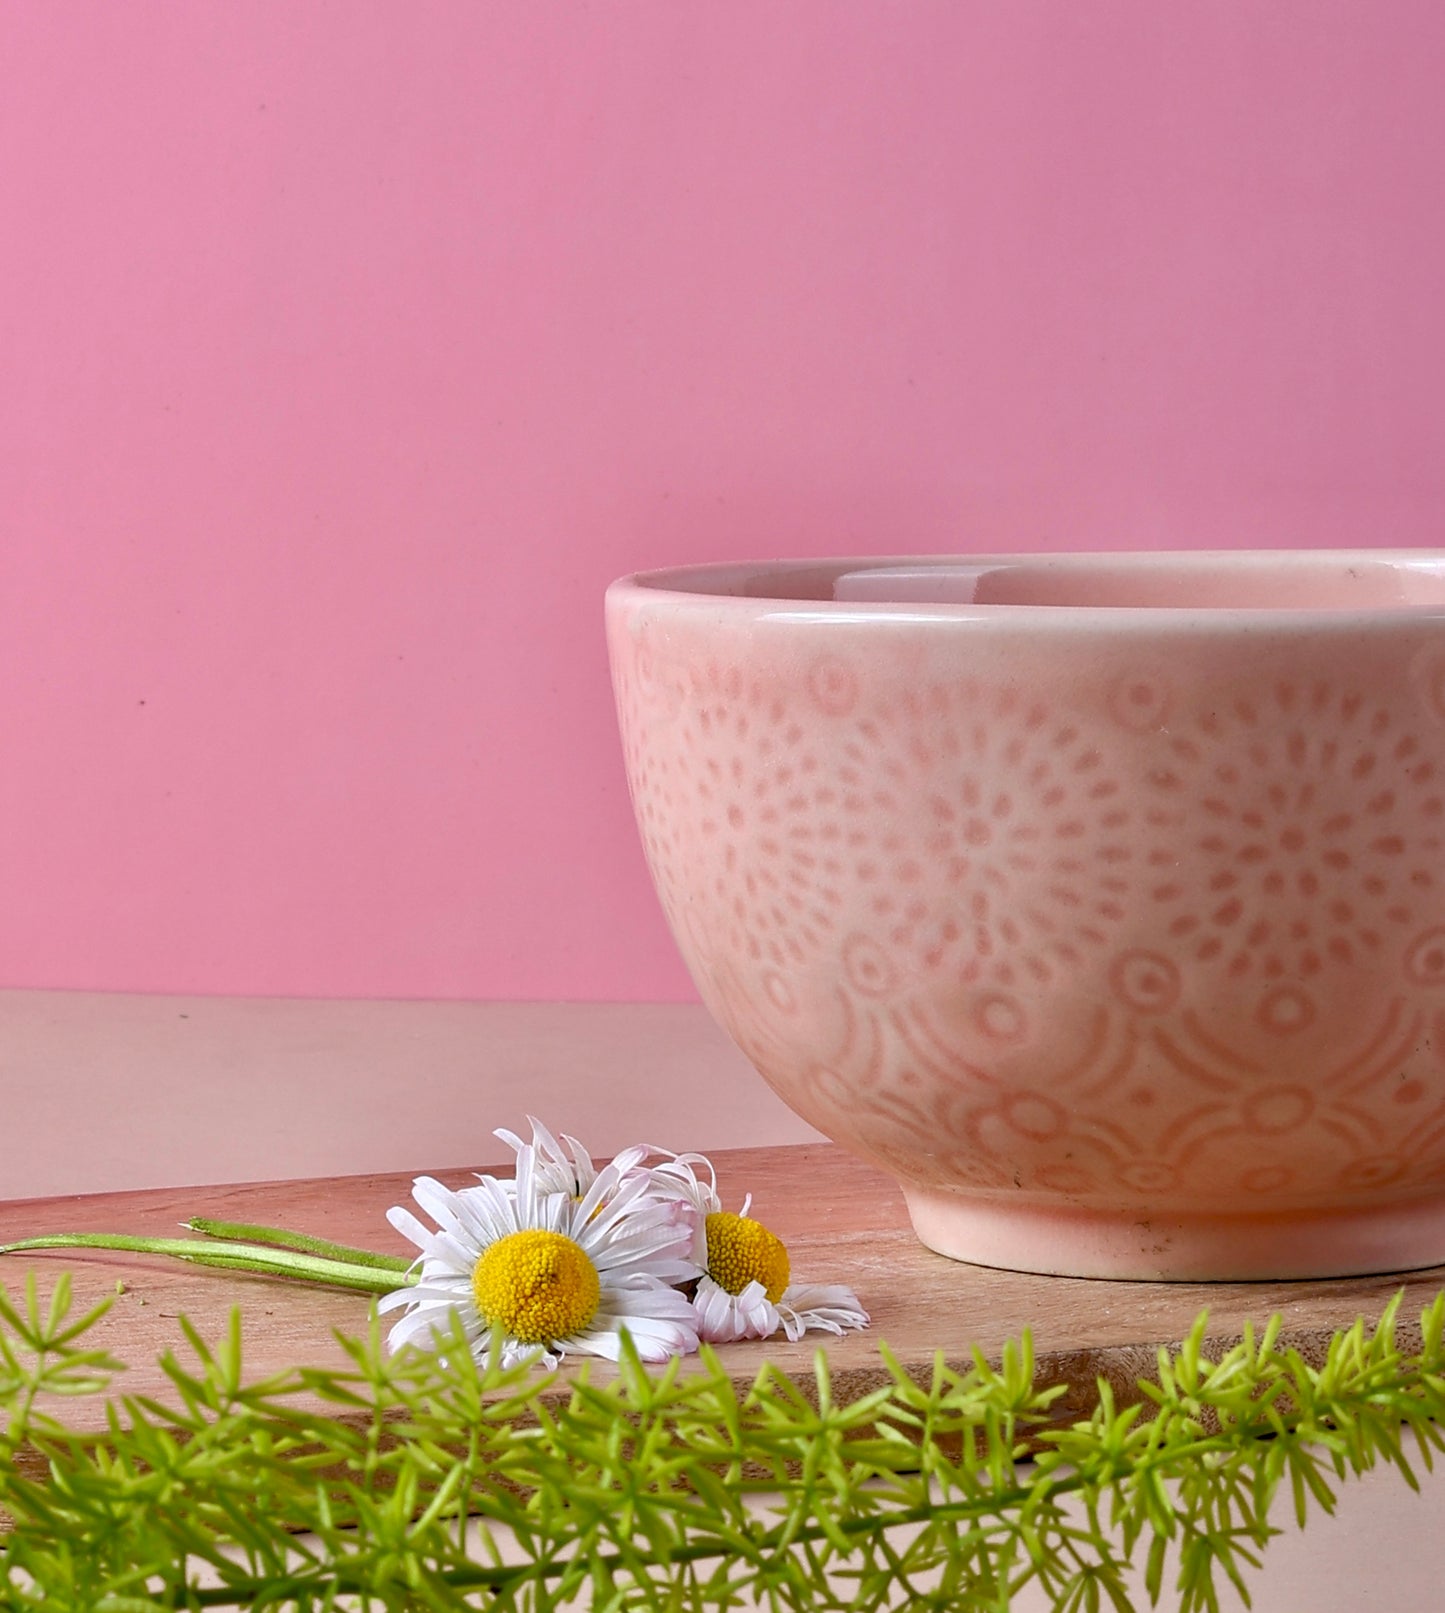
[347, 350]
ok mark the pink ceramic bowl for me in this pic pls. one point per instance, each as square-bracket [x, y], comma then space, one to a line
[1099, 898]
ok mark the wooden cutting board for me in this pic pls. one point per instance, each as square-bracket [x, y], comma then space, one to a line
[842, 1221]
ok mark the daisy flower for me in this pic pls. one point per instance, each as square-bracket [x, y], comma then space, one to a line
[564, 1165]
[747, 1291]
[557, 1275]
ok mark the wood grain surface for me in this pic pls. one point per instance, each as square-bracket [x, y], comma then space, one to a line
[842, 1221]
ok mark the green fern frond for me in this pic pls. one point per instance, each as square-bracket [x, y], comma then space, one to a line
[448, 1484]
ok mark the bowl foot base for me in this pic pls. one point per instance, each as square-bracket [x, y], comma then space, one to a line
[1148, 1246]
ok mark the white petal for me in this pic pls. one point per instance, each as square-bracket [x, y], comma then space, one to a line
[757, 1313]
[648, 1299]
[583, 1171]
[454, 1245]
[658, 1240]
[409, 1227]
[654, 1340]
[677, 1177]
[593, 1214]
[607, 1201]
[488, 1210]
[555, 1213]
[631, 1158]
[525, 1193]
[438, 1201]
[398, 1296]
[441, 1291]
[457, 1256]
[556, 1170]
[429, 1325]
[723, 1317]
[514, 1353]
[828, 1308]
[659, 1320]
[714, 1308]
[599, 1341]
[544, 1144]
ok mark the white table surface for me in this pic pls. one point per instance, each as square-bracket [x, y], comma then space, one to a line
[100, 1093]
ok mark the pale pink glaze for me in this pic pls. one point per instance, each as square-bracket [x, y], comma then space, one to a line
[1098, 898]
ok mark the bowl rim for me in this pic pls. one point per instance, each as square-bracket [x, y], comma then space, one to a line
[719, 586]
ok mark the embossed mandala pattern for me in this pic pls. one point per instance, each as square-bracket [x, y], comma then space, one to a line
[1106, 948]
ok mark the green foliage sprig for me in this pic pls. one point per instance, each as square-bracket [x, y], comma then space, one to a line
[669, 1488]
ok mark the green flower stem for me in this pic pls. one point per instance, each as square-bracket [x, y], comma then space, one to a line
[279, 1238]
[229, 1257]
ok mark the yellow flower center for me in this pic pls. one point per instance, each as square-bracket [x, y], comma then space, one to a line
[741, 1251]
[539, 1286]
